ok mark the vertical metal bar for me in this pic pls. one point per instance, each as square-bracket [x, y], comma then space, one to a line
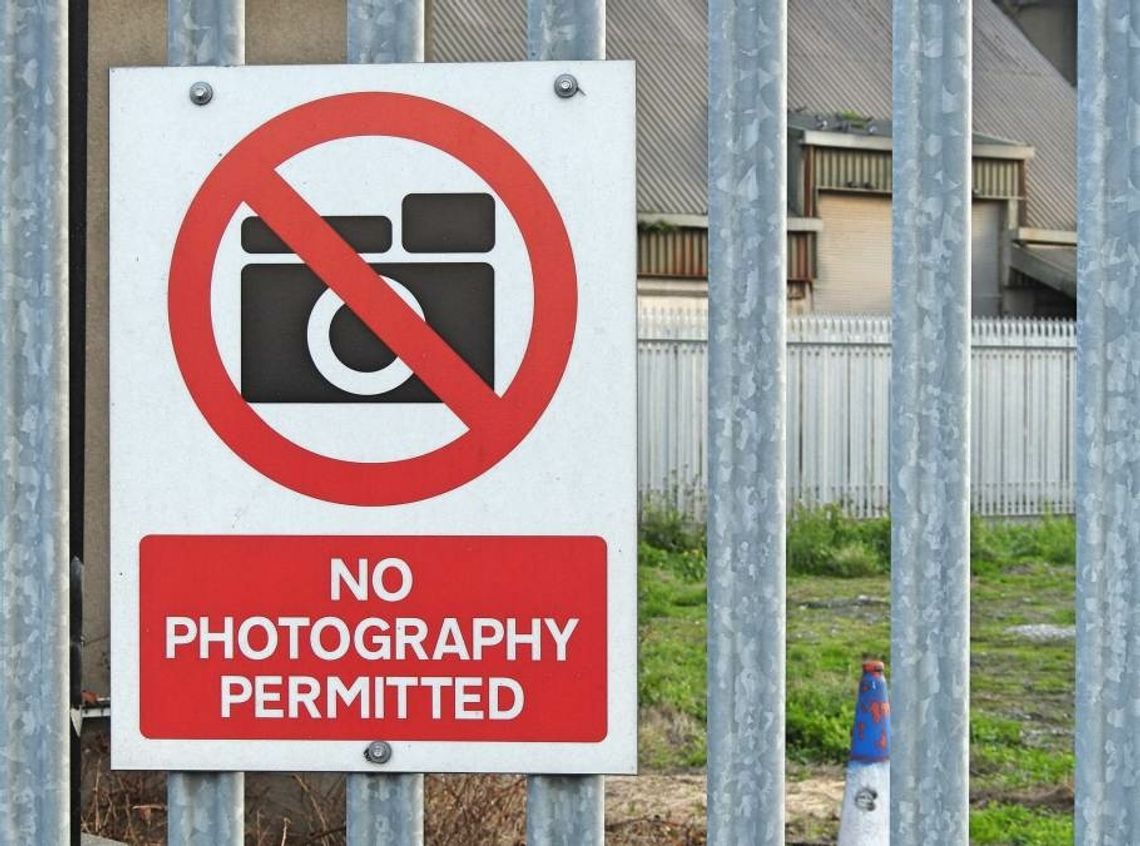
[1108, 420]
[566, 29]
[381, 31]
[205, 32]
[747, 436]
[565, 810]
[385, 809]
[34, 558]
[205, 809]
[930, 422]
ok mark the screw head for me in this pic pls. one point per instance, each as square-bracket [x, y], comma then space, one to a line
[565, 85]
[201, 93]
[378, 752]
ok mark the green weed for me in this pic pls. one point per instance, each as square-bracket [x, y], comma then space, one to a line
[1016, 825]
[666, 528]
[826, 542]
[998, 544]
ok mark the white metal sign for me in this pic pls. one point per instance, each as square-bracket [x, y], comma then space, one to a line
[373, 418]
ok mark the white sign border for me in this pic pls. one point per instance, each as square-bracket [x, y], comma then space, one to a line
[129, 104]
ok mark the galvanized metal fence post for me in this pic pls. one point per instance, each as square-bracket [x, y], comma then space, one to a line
[34, 567]
[205, 809]
[1108, 419]
[930, 422]
[385, 809]
[565, 810]
[385, 31]
[566, 29]
[747, 397]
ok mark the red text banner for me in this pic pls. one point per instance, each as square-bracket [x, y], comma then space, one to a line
[357, 638]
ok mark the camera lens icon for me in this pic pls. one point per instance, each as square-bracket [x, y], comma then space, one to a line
[363, 383]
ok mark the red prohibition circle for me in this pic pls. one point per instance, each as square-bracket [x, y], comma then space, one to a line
[495, 424]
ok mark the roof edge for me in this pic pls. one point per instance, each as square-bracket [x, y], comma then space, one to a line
[1057, 237]
[883, 143]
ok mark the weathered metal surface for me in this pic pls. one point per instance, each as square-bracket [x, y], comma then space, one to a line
[385, 31]
[205, 809]
[747, 372]
[34, 560]
[1108, 420]
[565, 809]
[566, 29]
[385, 809]
[205, 32]
[930, 422]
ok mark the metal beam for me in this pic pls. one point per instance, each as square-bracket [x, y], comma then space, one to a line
[565, 810]
[205, 809]
[747, 397]
[1108, 420]
[34, 527]
[385, 809]
[382, 31]
[566, 29]
[930, 422]
[205, 32]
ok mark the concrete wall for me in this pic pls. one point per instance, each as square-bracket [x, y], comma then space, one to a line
[128, 33]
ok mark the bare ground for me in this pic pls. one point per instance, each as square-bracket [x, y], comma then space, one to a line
[671, 809]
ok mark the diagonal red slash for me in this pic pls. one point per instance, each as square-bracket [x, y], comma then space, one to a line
[380, 308]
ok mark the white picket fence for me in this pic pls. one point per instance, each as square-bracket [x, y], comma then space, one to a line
[838, 412]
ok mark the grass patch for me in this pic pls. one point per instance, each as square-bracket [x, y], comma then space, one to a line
[1017, 825]
[839, 615]
[826, 542]
[669, 530]
[995, 546]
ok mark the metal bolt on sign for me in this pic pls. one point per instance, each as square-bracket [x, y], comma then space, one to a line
[201, 93]
[378, 752]
[566, 85]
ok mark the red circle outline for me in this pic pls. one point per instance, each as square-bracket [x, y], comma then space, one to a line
[543, 231]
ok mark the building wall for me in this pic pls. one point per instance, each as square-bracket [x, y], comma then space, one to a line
[854, 259]
[129, 33]
[985, 259]
[1052, 27]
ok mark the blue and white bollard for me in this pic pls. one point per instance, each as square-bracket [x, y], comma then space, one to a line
[866, 816]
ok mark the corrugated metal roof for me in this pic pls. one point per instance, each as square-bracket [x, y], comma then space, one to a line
[839, 60]
[476, 30]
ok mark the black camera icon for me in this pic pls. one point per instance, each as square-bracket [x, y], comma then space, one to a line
[300, 343]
